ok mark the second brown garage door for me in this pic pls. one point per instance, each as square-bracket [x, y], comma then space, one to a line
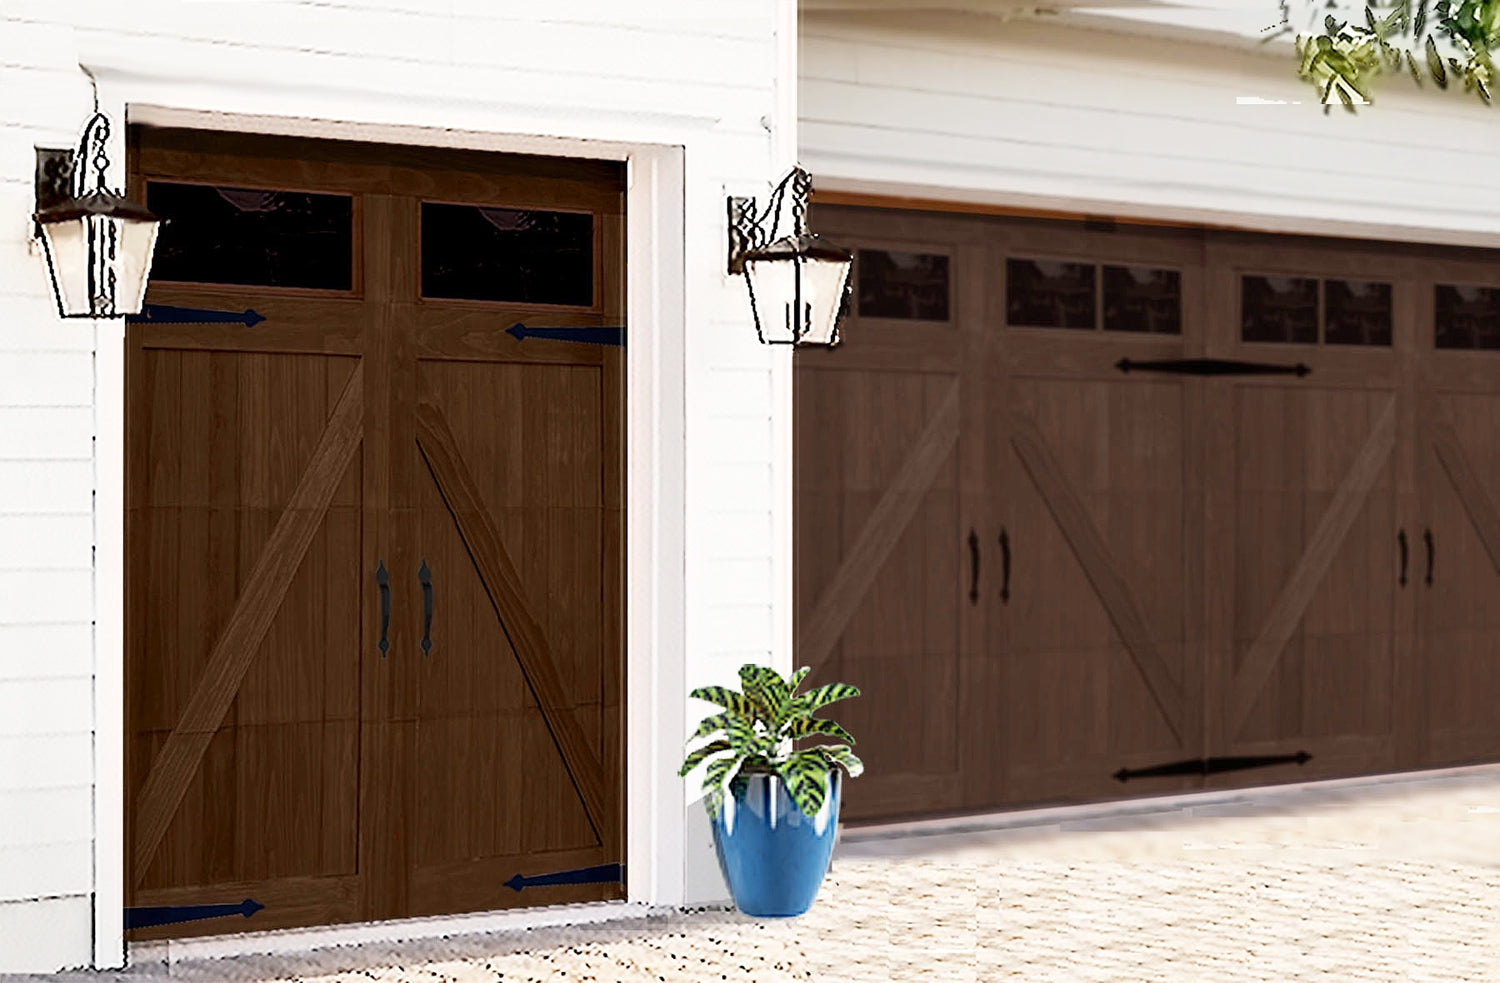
[1094, 511]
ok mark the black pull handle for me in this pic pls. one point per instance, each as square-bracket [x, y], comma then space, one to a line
[1004, 567]
[1401, 539]
[973, 567]
[383, 579]
[1431, 552]
[425, 576]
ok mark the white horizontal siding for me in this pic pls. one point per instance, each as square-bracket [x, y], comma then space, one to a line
[39, 870]
[740, 628]
[45, 761]
[46, 935]
[49, 815]
[49, 432]
[40, 597]
[44, 488]
[45, 652]
[740, 394]
[974, 107]
[46, 542]
[45, 706]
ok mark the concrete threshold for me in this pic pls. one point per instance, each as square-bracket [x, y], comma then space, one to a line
[333, 949]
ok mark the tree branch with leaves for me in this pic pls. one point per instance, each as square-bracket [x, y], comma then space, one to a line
[1448, 41]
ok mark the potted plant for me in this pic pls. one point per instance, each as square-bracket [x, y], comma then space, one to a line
[773, 807]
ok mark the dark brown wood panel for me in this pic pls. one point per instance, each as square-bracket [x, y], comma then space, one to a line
[1304, 494]
[884, 488]
[1459, 617]
[273, 751]
[1094, 638]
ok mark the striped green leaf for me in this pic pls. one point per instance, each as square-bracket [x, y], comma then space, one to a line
[764, 686]
[806, 777]
[713, 725]
[697, 756]
[806, 727]
[742, 736]
[713, 782]
[824, 695]
[843, 756]
[725, 697]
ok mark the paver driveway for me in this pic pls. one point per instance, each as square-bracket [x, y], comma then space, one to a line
[1393, 881]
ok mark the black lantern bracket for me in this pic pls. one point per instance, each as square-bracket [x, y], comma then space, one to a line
[55, 169]
[750, 229]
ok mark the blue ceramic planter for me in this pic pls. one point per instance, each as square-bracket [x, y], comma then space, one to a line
[773, 856]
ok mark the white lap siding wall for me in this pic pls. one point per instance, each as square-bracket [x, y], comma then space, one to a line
[1074, 114]
[698, 79]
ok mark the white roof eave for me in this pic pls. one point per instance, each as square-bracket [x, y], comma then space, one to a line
[1238, 24]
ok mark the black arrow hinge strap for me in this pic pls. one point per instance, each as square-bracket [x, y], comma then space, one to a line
[1210, 766]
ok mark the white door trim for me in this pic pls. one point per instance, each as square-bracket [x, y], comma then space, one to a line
[654, 692]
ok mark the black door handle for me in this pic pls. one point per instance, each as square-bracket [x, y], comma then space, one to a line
[1431, 553]
[383, 579]
[425, 576]
[973, 567]
[1401, 539]
[1004, 567]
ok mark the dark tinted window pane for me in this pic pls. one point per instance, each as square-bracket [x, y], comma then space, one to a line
[1356, 312]
[1467, 317]
[242, 235]
[1279, 308]
[1138, 298]
[471, 252]
[904, 285]
[1047, 294]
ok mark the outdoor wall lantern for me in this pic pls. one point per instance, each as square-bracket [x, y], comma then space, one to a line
[98, 242]
[798, 283]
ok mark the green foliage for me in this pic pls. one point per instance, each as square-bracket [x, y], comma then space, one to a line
[1346, 58]
[757, 731]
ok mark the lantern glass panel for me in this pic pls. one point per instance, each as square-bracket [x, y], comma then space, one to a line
[823, 284]
[67, 245]
[773, 285]
[133, 264]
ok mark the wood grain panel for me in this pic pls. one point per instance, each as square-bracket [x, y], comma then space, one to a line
[1459, 613]
[1294, 596]
[258, 603]
[879, 535]
[1477, 502]
[508, 596]
[1102, 568]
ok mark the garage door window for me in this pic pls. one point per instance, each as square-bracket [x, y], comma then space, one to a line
[902, 285]
[1142, 299]
[511, 255]
[1466, 317]
[252, 236]
[1356, 312]
[1305, 310]
[1043, 293]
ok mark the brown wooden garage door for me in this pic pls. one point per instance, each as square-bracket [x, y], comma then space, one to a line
[374, 600]
[1084, 507]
